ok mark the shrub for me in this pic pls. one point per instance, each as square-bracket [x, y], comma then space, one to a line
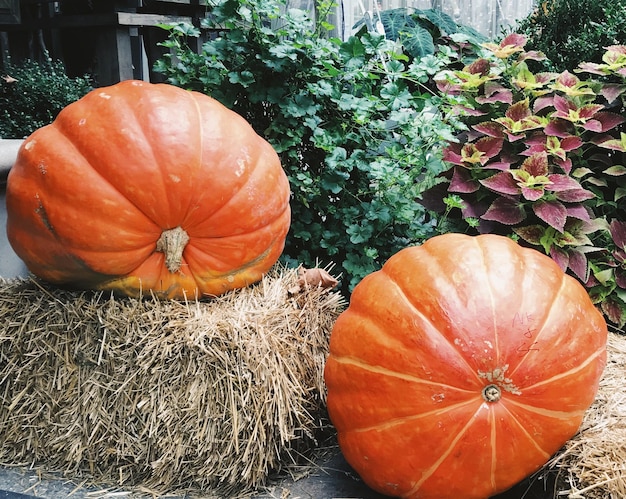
[542, 160]
[571, 31]
[356, 125]
[32, 94]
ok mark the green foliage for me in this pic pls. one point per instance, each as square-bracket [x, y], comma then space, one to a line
[32, 94]
[542, 160]
[420, 31]
[355, 123]
[572, 31]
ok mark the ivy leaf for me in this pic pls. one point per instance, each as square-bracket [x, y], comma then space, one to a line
[553, 213]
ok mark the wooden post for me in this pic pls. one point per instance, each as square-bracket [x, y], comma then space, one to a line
[114, 60]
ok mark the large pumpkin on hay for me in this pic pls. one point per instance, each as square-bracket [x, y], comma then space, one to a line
[143, 187]
[461, 366]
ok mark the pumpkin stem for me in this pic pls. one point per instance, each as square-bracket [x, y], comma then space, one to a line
[172, 242]
[492, 393]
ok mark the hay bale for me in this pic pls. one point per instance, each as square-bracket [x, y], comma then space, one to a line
[592, 465]
[164, 395]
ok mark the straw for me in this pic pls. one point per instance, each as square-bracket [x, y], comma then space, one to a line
[163, 395]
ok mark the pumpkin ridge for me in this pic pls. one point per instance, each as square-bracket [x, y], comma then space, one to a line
[392, 423]
[433, 469]
[494, 315]
[405, 296]
[138, 125]
[388, 372]
[544, 412]
[558, 377]
[541, 328]
[253, 166]
[60, 127]
[529, 437]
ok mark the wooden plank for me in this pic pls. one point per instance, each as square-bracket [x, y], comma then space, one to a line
[133, 19]
[112, 19]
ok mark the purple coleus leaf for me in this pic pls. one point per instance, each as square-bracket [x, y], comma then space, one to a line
[560, 257]
[502, 183]
[509, 45]
[543, 102]
[611, 91]
[553, 213]
[578, 211]
[592, 67]
[533, 55]
[536, 165]
[612, 309]
[448, 87]
[518, 111]
[618, 233]
[489, 128]
[531, 233]
[478, 67]
[462, 181]
[620, 277]
[507, 211]
[574, 195]
[571, 85]
[609, 142]
[560, 183]
[452, 154]
[498, 165]
[532, 193]
[603, 121]
[608, 120]
[494, 92]
[565, 165]
[570, 143]
[568, 110]
[489, 147]
[578, 264]
[559, 128]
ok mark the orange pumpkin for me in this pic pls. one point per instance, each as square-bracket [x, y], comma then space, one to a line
[144, 187]
[461, 366]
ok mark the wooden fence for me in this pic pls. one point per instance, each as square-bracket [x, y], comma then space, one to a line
[112, 40]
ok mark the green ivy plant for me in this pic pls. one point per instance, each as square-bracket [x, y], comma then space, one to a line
[356, 124]
[542, 160]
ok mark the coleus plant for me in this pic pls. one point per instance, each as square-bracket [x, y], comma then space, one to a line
[541, 159]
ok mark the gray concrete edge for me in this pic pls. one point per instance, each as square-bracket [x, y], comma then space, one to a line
[8, 153]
